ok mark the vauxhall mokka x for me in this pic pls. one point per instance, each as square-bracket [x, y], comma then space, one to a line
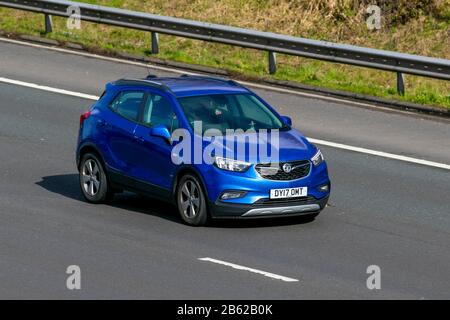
[126, 142]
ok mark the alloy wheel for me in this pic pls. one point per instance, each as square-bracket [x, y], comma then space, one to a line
[190, 199]
[90, 176]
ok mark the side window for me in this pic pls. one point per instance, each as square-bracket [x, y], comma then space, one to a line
[158, 111]
[127, 104]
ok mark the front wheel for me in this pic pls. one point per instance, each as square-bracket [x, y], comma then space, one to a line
[191, 201]
[93, 180]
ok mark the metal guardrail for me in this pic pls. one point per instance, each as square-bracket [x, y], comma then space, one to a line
[272, 43]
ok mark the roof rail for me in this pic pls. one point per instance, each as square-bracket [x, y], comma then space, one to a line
[142, 82]
[226, 80]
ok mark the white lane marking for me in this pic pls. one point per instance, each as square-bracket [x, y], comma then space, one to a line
[238, 267]
[320, 142]
[49, 89]
[173, 70]
[380, 154]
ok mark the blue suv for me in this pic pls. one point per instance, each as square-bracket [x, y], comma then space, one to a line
[127, 141]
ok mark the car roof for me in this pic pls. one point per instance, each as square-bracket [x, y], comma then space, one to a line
[187, 85]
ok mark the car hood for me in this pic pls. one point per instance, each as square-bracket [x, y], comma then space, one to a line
[292, 145]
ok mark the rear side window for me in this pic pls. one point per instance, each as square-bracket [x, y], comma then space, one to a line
[128, 103]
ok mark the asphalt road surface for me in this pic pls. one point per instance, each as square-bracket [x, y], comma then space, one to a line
[383, 212]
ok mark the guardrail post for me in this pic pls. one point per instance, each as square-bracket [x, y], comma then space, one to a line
[48, 23]
[272, 62]
[155, 43]
[400, 84]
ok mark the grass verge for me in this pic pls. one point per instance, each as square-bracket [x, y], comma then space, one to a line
[424, 33]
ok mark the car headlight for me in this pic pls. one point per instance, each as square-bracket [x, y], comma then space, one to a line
[318, 158]
[231, 165]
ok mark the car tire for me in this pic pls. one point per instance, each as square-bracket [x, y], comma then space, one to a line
[93, 180]
[191, 201]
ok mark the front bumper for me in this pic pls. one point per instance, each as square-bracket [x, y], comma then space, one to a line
[268, 209]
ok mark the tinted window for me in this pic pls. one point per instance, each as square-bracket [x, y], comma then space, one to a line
[127, 104]
[229, 111]
[252, 108]
[158, 111]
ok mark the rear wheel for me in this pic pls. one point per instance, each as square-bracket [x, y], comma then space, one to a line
[93, 180]
[191, 201]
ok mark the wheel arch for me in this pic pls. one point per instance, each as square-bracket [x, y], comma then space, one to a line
[188, 170]
[89, 148]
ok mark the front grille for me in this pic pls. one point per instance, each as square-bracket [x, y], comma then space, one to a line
[290, 201]
[275, 171]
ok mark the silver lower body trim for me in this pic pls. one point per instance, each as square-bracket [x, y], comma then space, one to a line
[282, 210]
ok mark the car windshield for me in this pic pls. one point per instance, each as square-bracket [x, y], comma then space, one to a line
[229, 112]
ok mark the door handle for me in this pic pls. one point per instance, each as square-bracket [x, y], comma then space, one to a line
[140, 139]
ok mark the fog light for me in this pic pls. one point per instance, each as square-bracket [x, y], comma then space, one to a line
[227, 195]
[324, 188]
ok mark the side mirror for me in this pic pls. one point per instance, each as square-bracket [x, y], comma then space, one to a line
[287, 120]
[162, 132]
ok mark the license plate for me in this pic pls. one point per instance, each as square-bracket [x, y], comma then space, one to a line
[288, 193]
